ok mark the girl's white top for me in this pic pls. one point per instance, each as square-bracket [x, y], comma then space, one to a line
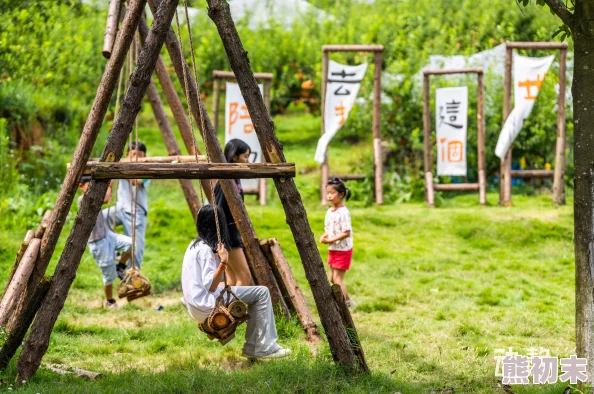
[198, 270]
[337, 222]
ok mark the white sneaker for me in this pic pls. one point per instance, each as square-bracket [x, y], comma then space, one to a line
[280, 353]
[110, 305]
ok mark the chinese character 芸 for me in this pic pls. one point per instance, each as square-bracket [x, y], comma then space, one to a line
[573, 369]
[530, 84]
[515, 369]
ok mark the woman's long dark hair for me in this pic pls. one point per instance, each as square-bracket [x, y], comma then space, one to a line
[340, 187]
[207, 228]
[235, 147]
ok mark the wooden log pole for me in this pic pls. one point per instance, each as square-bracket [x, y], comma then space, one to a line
[352, 48]
[429, 199]
[45, 221]
[254, 255]
[177, 109]
[559, 178]
[350, 327]
[84, 146]
[532, 173]
[536, 45]
[263, 183]
[192, 170]
[461, 187]
[21, 325]
[155, 159]
[295, 212]
[111, 30]
[216, 103]
[324, 168]
[28, 237]
[285, 275]
[377, 126]
[505, 169]
[265, 246]
[66, 370]
[482, 175]
[172, 146]
[15, 288]
[38, 340]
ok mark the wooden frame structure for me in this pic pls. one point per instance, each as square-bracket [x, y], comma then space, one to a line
[43, 297]
[481, 186]
[377, 51]
[558, 174]
[219, 75]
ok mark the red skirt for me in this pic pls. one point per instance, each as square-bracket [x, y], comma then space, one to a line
[340, 259]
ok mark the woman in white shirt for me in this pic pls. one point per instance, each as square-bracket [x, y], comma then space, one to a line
[204, 264]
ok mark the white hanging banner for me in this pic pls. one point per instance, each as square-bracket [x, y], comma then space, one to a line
[341, 91]
[529, 73]
[238, 124]
[451, 121]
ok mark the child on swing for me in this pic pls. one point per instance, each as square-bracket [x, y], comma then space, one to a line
[103, 244]
[338, 234]
[205, 262]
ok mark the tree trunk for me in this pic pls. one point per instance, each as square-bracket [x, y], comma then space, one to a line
[284, 275]
[14, 290]
[583, 112]
[192, 170]
[17, 333]
[255, 257]
[84, 148]
[38, 340]
[177, 109]
[172, 146]
[295, 212]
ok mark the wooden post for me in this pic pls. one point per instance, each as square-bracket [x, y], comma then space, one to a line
[265, 247]
[350, 326]
[559, 177]
[38, 340]
[505, 170]
[172, 146]
[81, 154]
[295, 212]
[377, 126]
[263, 186]
[324, 169]
[191, 170]
[254, 255]
[28, 237]
[177, 108]
[45, 221]
[15, 288]
[216, 102]
[429, 199]
[482, 177]
[21, 325]
[113, 18]
[284, 275]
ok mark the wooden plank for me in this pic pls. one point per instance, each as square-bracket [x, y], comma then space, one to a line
[532, 173]
[352, 48]
[443, 187]
[472, 70]
[535, 45]
[230, 75]
[284, 275]
[191, 170]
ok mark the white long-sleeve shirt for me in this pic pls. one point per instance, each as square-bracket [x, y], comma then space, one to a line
[198, 271]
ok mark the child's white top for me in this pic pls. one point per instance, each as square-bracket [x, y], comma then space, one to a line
[338, 220]
[198, 270]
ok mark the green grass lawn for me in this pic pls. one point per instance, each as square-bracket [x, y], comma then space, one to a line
[437, 292]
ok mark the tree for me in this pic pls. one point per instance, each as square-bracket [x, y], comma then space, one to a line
[578, 22]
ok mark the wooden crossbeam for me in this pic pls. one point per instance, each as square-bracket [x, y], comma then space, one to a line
[120, 170]
[532, 173]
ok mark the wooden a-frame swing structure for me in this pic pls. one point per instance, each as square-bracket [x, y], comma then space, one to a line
[43, 297]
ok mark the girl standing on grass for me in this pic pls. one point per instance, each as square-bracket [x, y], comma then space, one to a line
[338, 234]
